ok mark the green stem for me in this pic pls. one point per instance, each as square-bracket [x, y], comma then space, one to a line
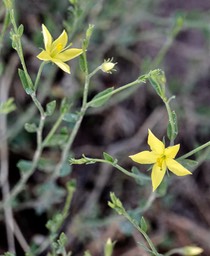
[38, 75]
[194, 151]
[171, 121]
[150, 243]
[53, 130]
[137, 81]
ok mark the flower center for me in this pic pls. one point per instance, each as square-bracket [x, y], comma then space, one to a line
[56, 49]
[160, 161]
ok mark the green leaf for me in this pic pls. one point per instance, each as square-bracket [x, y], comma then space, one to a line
[157, 80]
[30, 127]
[101, 98]
[24, 82]
[20, 30]
[8, 106]
[188, 163]
[57, 140]
[70, 118]
[143, 224]
[50, 108]
[172, 134]
[24, 166]
[87, 253]
[82, 63]
[62, 241]
[108, 157]
[141, 178]
[65, 105]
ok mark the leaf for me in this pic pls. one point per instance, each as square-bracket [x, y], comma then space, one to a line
[50, 108]
[7, 106]
[172, 134]
[82, 63]
[30, 127]
[57, 140]
[141, 178]
[24, 165]
[24, 82]
[65, 105]
[108, 157]
[188, 163]
[143, 224]
[101, 98]
[70, 118]
[20, 30]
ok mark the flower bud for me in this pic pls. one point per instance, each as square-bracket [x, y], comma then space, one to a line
[108, 66]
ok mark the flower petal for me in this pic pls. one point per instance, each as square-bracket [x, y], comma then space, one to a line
[155, 144]
[171, 152]
[47, 38]
[44, 56]
[144, 157]
[59, 44]
[176, 167]
[69, 54]
[157, 175]
[62, 65]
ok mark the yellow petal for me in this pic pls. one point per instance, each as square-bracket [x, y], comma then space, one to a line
[69, 54]
[47, 38]
[157, 175]
[171, 152]
[44, 56]
[59, 44]
[176, 167]
[155, 144]
[62, 65]
[144, 157]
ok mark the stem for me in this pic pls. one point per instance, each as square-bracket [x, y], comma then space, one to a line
[194, 151]
[150, 243]
[38, 75]
[137, 81]
[53, 130]
[171, 121]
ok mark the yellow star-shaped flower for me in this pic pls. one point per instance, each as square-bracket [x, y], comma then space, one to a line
[162, 158]
[56, 51]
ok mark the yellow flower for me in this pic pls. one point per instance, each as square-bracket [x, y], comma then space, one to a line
[56, 51]
[162, 158]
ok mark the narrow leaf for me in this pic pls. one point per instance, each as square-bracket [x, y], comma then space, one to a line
[24, 82]
[143, 224]
[108, 157]
[50, 108]
[101, 98]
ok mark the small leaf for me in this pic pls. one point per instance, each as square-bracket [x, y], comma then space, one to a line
[143, 224]
[50, 108]
[65, 106]
[101, 98]
[141, 178]
[30, 127]
[24, 82]
[20, 30]
[57, 140]
[62, 239]
[24, 165]
[70, 118]
[108, 157]
[172, 134]
[82, 63]
[8, 106]
[188, 163]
